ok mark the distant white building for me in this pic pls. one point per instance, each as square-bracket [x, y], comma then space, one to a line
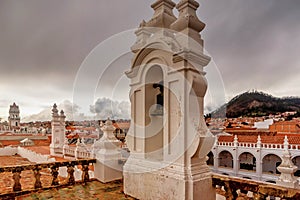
[27, 142]
[264, 124]
[14, 116]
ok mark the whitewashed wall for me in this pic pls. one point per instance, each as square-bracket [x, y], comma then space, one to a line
[8, 151]
[33, 156]
[25, 153]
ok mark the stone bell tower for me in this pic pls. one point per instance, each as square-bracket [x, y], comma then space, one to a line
[168, 138]
[58, 132]
[14, 116]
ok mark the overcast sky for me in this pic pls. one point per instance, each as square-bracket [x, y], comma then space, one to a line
[254, 44]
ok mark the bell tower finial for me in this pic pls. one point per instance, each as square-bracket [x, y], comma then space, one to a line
[187, 21]
[163, 14]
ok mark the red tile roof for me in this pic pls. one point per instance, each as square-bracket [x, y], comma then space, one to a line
[17, 142]
[44, 150]
[250, 132]
[123, 125]
[276, 139]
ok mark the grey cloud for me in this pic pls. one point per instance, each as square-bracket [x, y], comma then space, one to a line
[43, 43]
[105, 108]
[253, 42]
[70, 109]
[43, 37]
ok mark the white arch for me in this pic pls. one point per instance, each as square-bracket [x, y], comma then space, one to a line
[270, 153]
[296, 154]
[262, 158]
[242, 152]
[220, 149]
[155, 46]
[225, 151]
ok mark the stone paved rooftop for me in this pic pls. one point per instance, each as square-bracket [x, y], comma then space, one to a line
[44, 150]
[92, 190]
[13, 161]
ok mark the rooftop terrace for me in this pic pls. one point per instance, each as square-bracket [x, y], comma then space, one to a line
[90, 190]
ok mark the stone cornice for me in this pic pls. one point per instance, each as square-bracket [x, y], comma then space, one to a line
[191, 56]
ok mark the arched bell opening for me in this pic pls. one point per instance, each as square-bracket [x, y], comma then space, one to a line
[154, 113]
[210, 160]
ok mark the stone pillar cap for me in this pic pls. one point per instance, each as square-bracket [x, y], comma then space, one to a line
[108, 126]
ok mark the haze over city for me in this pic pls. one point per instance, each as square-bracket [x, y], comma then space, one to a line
[254, 45]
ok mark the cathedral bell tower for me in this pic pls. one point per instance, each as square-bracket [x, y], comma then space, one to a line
[168, 138]
[58, 132]
[14, 116]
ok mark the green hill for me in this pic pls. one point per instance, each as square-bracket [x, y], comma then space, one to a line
[254, 104]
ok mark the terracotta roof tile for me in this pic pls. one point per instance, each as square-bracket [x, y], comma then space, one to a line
[44, 150]
[276, 139]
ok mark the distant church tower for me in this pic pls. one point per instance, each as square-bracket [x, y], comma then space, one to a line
[14, 116]
[58, 132]
[168, 137]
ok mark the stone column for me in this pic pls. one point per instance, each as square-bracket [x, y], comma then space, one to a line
[258, 159]
[66, 146]
[236, 161]
[79, 148]
[107, 167]
[216, 155]
[62, 133]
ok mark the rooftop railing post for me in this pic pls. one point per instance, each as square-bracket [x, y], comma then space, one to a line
[54, 172]
[17, 176]
[85, 173]
[37, 176]
[258, 196]
[70, 170]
